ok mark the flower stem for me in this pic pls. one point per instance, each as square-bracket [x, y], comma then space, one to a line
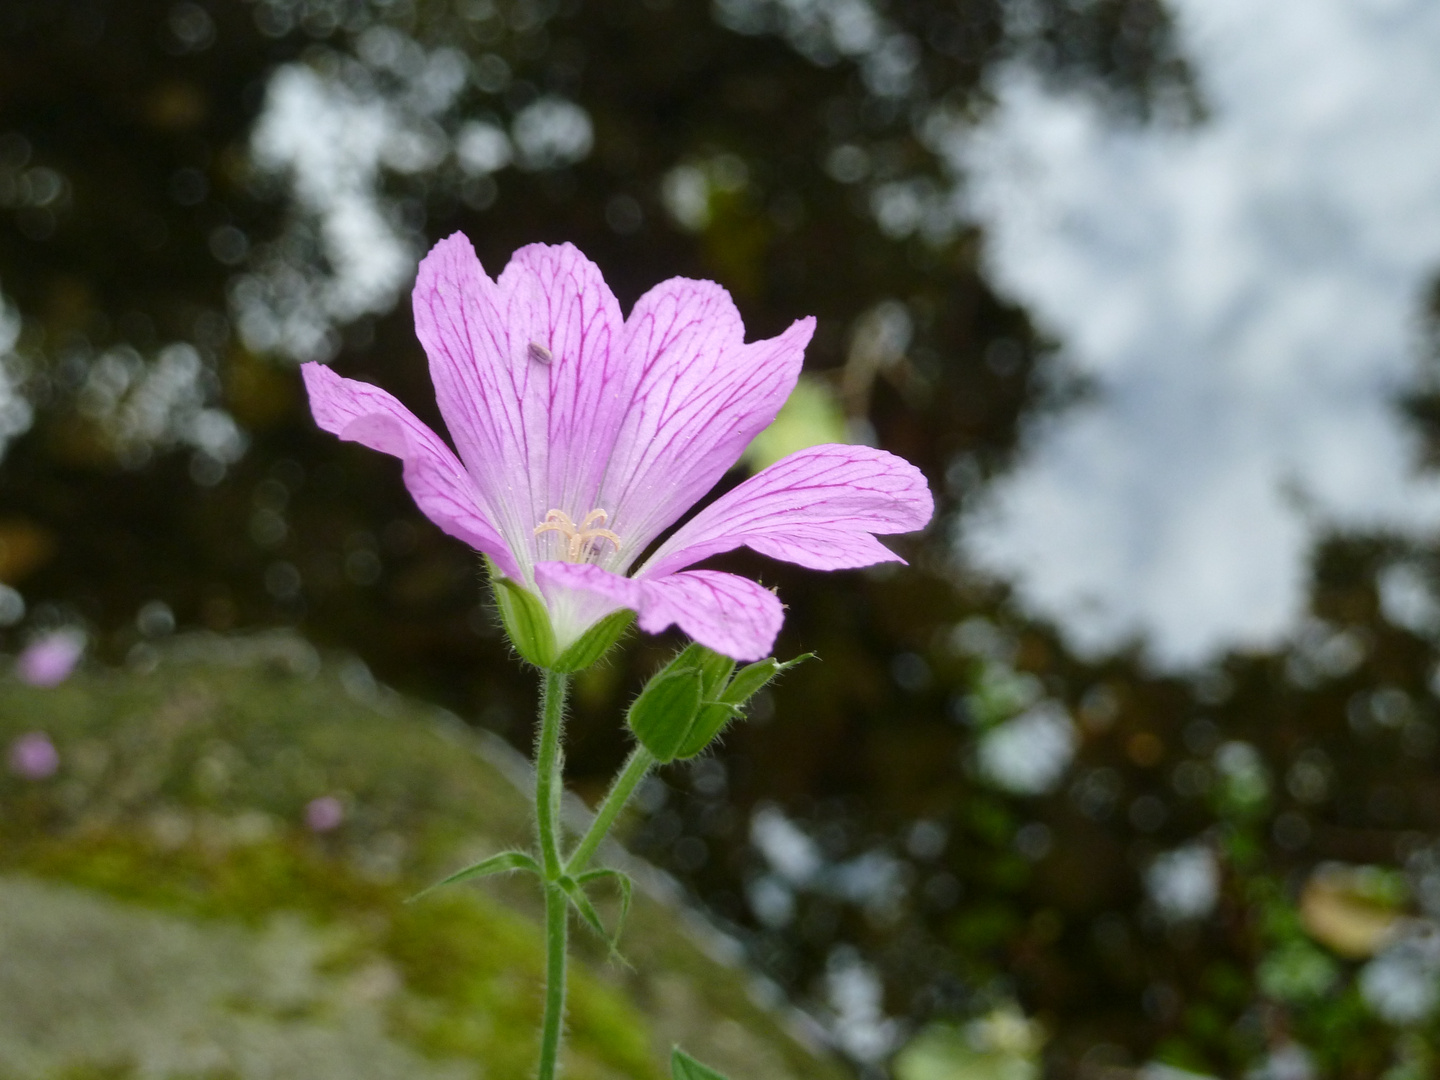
[549, 765]
[636, 767]
[556, 915]
[548, 786]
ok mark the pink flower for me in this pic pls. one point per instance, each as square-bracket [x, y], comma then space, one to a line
[324, 814]
[582, 436]
[49, 660]
[33, 756]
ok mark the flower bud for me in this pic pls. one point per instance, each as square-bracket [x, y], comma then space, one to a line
[691, 700]
[665, 711]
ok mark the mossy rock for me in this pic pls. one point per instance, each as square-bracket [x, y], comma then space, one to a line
[168, 910]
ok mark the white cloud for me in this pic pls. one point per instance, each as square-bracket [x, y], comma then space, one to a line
[330, 142]
[16, 414]
[1245, 293]
[786, 847]
[482, 147]
[551, 131]
[1028, 754]
[1184, 883]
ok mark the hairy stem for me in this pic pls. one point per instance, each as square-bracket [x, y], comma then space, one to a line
[635, 769]
[556, 925]
[549, 765]
[548, 786]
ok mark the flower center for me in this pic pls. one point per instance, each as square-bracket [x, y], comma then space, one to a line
[579, 539]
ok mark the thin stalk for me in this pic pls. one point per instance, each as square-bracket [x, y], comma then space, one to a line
[556, 914]
[549, 764]
[636, 766]
[548, 784]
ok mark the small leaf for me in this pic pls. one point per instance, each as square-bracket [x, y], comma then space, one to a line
[574, 888]
[684, 1067]
[527, 623]
[665, 710]
[595, 642]
[507, 862]
[622, 882]
[585, 908]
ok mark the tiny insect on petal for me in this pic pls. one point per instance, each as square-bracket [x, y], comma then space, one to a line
[539, 353]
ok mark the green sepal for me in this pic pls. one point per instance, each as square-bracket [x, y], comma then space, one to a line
[714, 668]
[752, 678]
[730, 703]
[664, 712]
[507, 862]
[526, 621]
[708, 723]
[595, 642]
[684, 1067]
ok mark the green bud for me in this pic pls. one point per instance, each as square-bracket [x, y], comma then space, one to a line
[690, 701]
[526, 621]
[663, 713]
[708, 723]
[595, 642]
[730, 703]
[714, 668]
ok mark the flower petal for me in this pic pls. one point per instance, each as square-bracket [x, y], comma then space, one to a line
[730, 614]
[529, 377]
[702, 395]
[439, 484]
[818, 507]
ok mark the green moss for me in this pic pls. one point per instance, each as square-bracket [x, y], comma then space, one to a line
[184, 792]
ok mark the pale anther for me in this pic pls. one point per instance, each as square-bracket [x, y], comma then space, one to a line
[539, 353]
[578, 537]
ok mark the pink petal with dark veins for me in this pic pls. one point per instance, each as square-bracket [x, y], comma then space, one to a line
[439, 484]
[730, 614]
[702, 395]
[818, 508]
[529, 377]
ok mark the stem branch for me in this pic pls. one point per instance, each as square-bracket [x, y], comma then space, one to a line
[636, 766]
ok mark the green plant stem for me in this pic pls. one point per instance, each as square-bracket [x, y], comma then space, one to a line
[636, 767]
[556, 925]
[549, 765]
[548, 786]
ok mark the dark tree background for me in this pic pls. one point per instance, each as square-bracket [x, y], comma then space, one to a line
[135, 214]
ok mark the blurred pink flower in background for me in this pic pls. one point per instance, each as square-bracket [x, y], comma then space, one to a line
[582, 436]
[33, 756]
[324, 814]
[50, 658]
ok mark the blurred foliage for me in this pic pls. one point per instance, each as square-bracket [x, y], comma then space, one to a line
[947, 817]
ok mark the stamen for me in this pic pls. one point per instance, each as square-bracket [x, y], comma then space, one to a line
[539, 353]
[579, 539]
